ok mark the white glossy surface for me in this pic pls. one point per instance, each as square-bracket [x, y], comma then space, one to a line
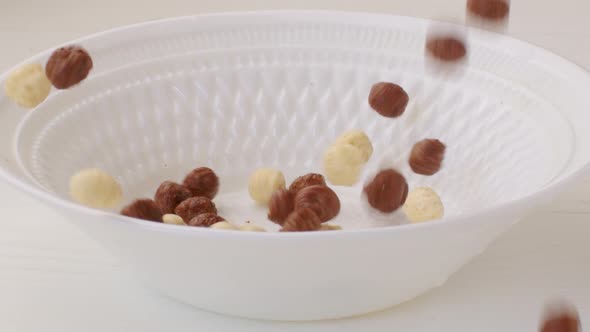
[525, 278]
[262, 89]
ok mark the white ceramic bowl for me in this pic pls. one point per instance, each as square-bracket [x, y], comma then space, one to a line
[240, 91]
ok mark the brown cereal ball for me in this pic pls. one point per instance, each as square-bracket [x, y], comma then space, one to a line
[68, 66]
[311, 179]
[194, 206]
[387, 191]
[447, 49]
[320, 199]
[427, 156]
[494, 10]
[145, 209]
[202, 181]
[169, 195]
[205, 220]
[280, 206]
[302, 220]
[388, 99]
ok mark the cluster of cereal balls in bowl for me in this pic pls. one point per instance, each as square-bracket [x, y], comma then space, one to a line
[307, 204]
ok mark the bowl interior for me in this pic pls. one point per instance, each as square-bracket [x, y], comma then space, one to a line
[237, 110]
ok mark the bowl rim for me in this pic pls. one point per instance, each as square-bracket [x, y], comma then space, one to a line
[522, 204]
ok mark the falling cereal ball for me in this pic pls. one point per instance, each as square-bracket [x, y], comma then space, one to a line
[359, 140]
[427, 156]
[263, 183]
[489, 9]
[387, 192]
[95, 188]
[423, 204]
[560, 317]
[68, 66]
[27, 86]
[343, 164]
[388, 99]
[446, 48]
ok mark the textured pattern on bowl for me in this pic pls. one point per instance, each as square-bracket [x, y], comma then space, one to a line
[240, 110]
[246, 90]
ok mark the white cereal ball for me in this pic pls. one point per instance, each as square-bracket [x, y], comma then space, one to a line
[330, 227]
[423, 204]
[343, 164]
[263, 183]
[95, 188]
[28, 85]
[173, 219]
[251, 228]
[358, 139]
[223, 225]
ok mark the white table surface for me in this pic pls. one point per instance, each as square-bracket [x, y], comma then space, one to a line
[54, 278]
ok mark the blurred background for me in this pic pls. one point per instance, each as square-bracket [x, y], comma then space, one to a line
[29, 26]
